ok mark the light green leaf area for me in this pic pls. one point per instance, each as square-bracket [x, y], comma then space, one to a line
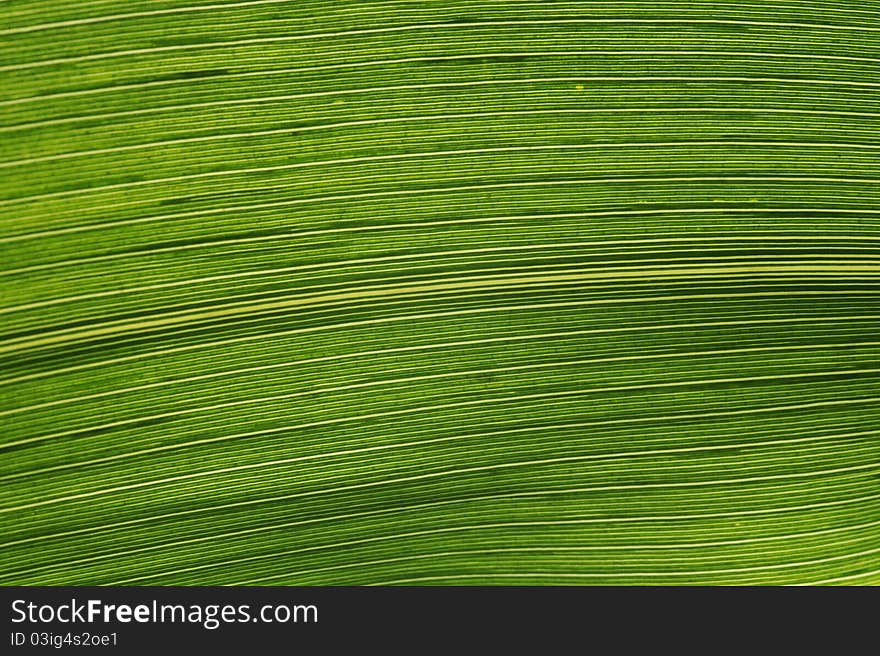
[439, 292]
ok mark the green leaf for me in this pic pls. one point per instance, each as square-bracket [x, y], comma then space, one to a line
[439, 292]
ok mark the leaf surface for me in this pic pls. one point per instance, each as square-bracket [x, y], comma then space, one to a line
[439, 292]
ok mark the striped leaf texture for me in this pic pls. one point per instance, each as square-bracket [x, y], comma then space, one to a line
[455, 292]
